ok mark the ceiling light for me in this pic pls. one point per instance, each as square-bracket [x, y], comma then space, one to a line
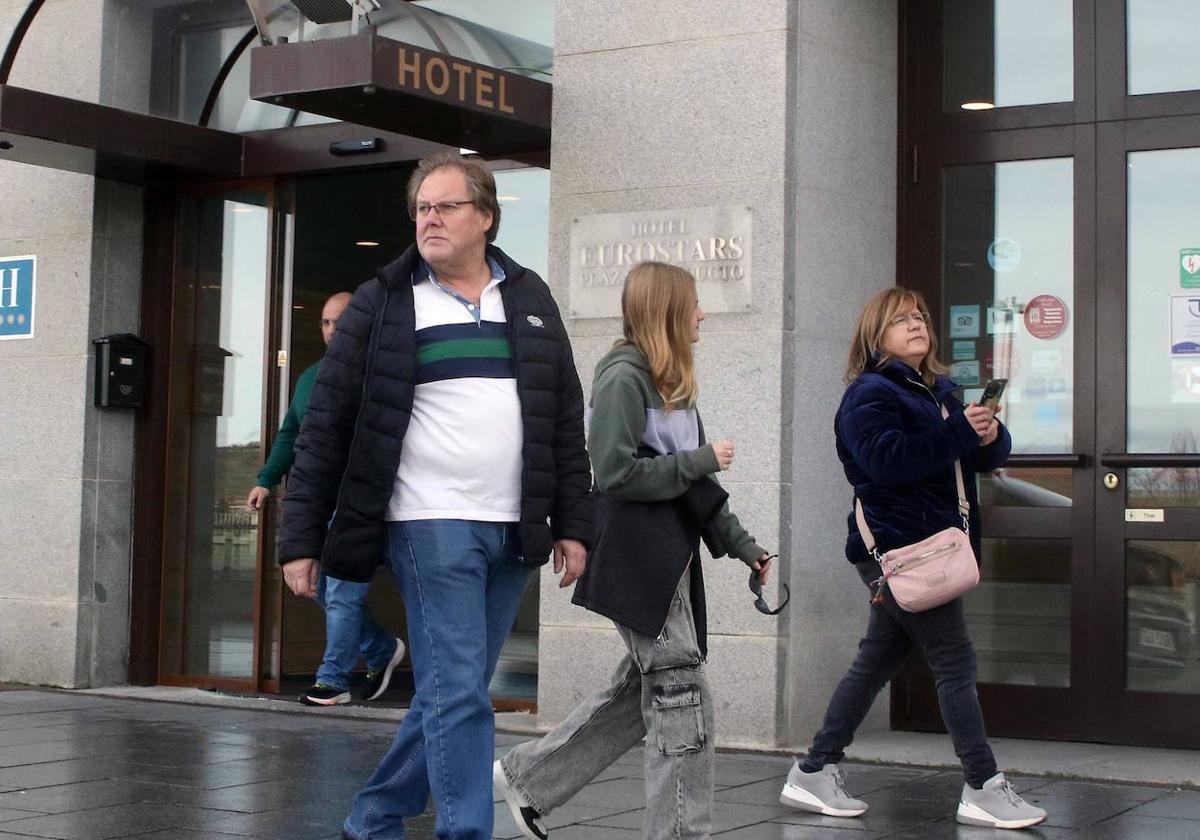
[367, 243]
[508, 198]
[297, 306]
[979, 105]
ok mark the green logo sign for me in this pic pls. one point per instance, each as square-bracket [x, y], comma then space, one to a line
[1189, 268]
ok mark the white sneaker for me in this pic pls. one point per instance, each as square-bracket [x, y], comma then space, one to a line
[997, 805]
[527, 818]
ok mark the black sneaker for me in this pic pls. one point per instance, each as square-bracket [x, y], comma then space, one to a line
[527, 818]
[322, 695]
[377, 681]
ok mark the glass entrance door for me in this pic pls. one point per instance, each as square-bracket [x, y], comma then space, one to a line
[1148, 419]
[1010, 284]
[1050, 198]
[213, 547]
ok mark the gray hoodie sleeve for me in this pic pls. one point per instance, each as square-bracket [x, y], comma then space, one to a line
[737, 541]
[618, 424]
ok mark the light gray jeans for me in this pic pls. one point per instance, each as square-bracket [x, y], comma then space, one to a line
[658, 692]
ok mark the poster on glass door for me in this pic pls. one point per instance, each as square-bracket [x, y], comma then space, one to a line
[1185, 325]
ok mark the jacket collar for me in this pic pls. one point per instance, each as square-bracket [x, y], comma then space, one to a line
[902, 374]
[403, 267]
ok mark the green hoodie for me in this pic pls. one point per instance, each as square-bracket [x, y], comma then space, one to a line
[622, 391]
[283, 453]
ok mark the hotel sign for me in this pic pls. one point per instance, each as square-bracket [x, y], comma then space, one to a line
[462, 82]
[18, 278]
[373, 81]
[713, 243]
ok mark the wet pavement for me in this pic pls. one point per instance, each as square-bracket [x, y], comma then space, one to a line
[83, 767]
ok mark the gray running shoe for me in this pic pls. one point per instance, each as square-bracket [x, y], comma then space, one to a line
[820, 792]
[997, 805]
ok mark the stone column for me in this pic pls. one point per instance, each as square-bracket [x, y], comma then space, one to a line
[66, 483]
[665, 107]
[842, 220]
[789, 108]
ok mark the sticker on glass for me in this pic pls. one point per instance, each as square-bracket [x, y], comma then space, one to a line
[1046, 317]
[1185, 325]
[965, 373]
[1189, 268]
[964, 321]
[1004, 254]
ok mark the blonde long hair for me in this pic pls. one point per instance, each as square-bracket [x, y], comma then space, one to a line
[658, 304]
[876, 317]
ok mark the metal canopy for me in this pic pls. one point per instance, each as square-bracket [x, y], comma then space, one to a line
[375, 81]
[48, 130]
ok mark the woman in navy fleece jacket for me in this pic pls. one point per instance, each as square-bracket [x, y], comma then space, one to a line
[898, 452]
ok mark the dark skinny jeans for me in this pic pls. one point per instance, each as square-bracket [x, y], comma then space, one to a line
[941, 634]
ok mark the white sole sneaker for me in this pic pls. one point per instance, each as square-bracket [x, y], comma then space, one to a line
[797, 797]
[969, 814]
[529, 822]
[397, 658]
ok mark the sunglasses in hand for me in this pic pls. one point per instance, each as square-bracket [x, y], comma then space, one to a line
[756, 585]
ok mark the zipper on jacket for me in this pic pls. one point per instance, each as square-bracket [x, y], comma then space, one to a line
[925, 387]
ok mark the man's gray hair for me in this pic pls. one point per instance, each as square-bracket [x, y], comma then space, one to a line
[480, 183]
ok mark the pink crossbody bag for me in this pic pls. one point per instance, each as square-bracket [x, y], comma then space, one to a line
[931, 572]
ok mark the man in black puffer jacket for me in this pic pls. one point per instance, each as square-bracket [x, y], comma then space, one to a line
[444, 435]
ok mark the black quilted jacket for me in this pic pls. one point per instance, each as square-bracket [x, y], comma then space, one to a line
[349, 445]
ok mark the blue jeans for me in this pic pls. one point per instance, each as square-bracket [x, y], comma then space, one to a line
[941, 635]
[349, 632]
[462, 584]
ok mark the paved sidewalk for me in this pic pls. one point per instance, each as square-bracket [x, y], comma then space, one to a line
[85, 767]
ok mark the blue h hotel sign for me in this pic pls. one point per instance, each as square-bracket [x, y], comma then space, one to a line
[17, 278]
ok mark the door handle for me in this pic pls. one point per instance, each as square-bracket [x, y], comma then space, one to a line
[1148, 459]
[1075, 460]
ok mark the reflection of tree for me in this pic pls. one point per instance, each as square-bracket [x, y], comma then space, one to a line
[1168, 486]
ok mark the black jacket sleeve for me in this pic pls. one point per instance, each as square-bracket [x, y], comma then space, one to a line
[572, 516]
[323, 446]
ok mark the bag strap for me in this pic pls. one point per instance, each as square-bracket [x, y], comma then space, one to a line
[964, 507]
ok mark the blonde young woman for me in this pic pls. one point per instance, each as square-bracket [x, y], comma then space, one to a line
[898, 450]
[655, 503]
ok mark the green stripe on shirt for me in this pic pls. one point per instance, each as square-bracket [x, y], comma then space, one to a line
[464, 348]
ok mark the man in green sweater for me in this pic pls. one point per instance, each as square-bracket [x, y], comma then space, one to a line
[349, 629]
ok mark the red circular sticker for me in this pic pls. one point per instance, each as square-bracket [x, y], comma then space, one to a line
[1046, 317]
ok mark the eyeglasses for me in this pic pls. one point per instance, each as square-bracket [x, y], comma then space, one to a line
[329, 322]
[760, 603]
[912, 317]
[422, 209]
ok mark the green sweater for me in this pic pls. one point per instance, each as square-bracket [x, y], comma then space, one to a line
[282, 454]
[622, 392]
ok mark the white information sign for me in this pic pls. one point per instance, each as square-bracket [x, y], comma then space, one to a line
[713, 243]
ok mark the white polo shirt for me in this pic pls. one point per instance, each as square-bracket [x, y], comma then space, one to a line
[462, 452]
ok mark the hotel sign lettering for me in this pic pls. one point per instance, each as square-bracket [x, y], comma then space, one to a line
[713, 243]
[462, 82]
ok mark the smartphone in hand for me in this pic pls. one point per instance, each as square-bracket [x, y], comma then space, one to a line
[992, 393]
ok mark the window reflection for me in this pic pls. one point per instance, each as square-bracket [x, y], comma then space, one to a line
[1020, 614]
[1026, 487]
[1162, 586]
[1163, 313]
[1008, 292]
[524, 196]
[1002, 53]
[1161, 45]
